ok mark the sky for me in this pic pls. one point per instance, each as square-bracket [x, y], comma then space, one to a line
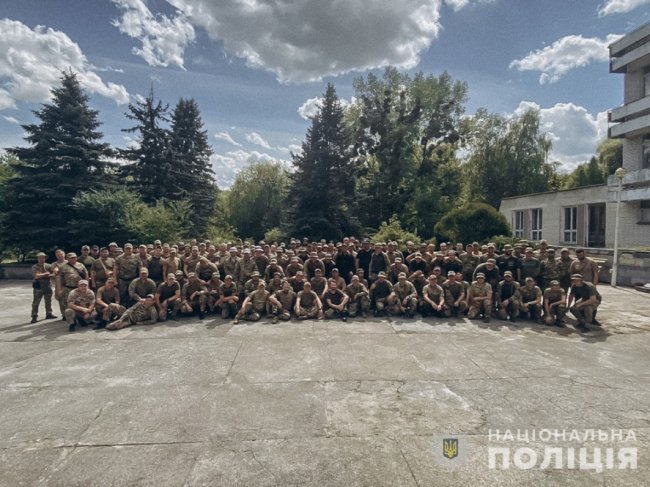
[258, 67]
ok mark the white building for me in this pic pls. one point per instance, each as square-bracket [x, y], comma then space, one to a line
[586, 216]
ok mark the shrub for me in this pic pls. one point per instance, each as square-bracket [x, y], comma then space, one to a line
[473, 222]
[393, 231]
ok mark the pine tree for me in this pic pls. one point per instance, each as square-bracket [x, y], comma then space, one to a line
[149, 165]
[65, 156]
[192, 175]
[323, 184]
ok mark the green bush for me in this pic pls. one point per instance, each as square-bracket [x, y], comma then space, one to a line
[393, 231]
[473, 222]
[274, 234]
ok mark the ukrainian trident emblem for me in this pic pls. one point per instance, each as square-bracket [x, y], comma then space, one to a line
[450, 447]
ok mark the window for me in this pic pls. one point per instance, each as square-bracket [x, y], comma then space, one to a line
[518, 224]
[570, 234]
[645, 154]
[645, 212]
[536, 224]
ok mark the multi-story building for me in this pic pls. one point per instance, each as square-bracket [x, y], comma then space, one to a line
[587, 216]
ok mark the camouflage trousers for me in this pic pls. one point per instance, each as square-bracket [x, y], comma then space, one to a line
[331, 313]
[532, 312]
[399, 306]
[457, 310]
[556, 313]
[584, 314]
[427, 310]
[113, 310]
[44, 292]
[228, 309]
[510, 310]
[280, 313]
[311, 312]
[479, 307]
[250, 313]
[360, 303]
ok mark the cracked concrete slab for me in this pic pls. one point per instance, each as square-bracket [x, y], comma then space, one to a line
[361, 403]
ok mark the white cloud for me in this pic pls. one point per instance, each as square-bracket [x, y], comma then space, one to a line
[310, 108]
[307, 40]
[565, 54]
[575, 132]
[31, 62]
[163, 39]
[225, 136]
[11, 120]
[457, 4]
[257, 139]
[227, 166]
[620, 6]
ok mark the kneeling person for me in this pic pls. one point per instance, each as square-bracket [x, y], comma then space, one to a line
[255, 304]
[81, 302]
[433, 299]
[107, 304]
[195, 296]
[359, 299]
[168, 297]
[335, 301]
[308, 304]
[554, 304]
[531, 301]
[508, 297]
[282, 302]
[404, 298]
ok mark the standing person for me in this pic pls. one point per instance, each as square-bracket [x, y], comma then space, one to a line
[508, 262]
[378, 263]
[583, 302]
[107, 304]
[42, 286]
[363, 257]
[245, 268]
[565, 269]
[155, 265]
[530, 267]
[69, 276]
[127, 268]
[584, 266]
[55, 270]
[172, 264]
[549, 269]
[86, 259]
[81, 303]
[345, 263]
[102, 269]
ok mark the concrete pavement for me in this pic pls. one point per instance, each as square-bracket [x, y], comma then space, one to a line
[361, 403]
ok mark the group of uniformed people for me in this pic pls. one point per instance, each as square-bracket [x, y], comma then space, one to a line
[116, 287]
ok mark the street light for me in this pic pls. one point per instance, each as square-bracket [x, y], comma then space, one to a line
[620, 174]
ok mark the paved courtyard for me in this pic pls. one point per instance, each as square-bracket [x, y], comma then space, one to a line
[362, 403]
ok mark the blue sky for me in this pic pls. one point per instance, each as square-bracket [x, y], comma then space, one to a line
[257, 67]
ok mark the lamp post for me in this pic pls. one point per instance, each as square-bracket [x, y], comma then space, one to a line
[620, 174]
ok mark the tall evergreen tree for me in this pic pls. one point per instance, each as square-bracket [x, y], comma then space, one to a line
[150, 164]
[192, 175]
[65, 156]
[324, 181]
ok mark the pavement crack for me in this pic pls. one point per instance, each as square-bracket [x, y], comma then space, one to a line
[408, 465]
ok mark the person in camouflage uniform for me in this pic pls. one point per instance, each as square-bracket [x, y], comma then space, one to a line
[255, 305]
[455, 294]
[507, 297]
[335, 302]
[318, 282]
[530, 267]
[433, 300]
[549, 269]
[55, 270]
[127, 268]
[228, 297]
[530, 298]
[229, 264]
[282, 302]
[42, 286]
[359, 298]
[168, 298]
[102, 268]
[554, 304]
[480, 298]
[252, 284]
[583, 302]
[81, 303]
[470, 261]
[396, 268]
[107, 303]
[214, 285]
[379, 292]
[403, 300]
[308, 304]
[565, 269]
[245, 268]
[69, 276]
[195, 296]
[142, 313]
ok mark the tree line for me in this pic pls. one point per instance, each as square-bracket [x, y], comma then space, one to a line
[403, 156]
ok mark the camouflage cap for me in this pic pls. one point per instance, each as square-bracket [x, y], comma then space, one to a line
[480, 274]
[528, 279]
[577, 276]
[83, 282]
[554, 282]
[381, 274]
[507, 274]
[70, 255]
[228, 276]
[401, 275]
[41, 254]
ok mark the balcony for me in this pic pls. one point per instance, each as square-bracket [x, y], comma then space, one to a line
[636, 186]
[629, 110]
[637, 57]
[630, 128]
